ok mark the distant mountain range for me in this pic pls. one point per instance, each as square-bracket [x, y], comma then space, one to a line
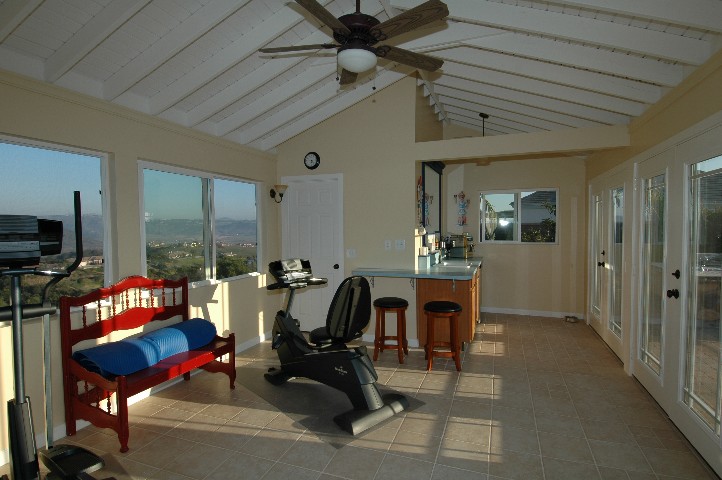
[169, 231]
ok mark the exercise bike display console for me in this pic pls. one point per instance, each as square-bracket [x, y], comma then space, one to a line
[326, 358]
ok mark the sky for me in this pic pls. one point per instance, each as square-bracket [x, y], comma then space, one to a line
[177, 196]
[40, 182]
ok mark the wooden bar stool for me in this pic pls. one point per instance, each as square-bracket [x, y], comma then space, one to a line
[450, 311]
[391, 304]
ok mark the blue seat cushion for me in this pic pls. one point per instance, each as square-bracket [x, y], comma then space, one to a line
[131, 355]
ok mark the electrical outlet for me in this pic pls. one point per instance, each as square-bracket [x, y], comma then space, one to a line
[387, 245]
[400, 244]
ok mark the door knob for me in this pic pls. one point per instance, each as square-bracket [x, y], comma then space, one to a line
[673, 293]
[600, 264]
[675, 274]
[335, 266]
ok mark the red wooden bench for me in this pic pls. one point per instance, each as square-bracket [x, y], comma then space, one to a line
[129, 304]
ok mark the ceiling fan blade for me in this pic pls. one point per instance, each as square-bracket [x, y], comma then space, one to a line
[324, 16]
[409, 20]
[407, 57]
[347, 77]
[298, 48]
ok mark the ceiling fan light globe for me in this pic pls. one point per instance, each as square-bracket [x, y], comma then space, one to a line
[356, 60]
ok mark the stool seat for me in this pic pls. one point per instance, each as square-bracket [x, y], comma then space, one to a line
[391, 302]
[385, 305]
[441, 306]
[444, 310]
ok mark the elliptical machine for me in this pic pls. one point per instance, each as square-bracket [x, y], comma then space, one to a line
[326, 358]
[23, 240]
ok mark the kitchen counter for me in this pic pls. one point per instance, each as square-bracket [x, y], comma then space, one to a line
[449, 269]
[455, 280]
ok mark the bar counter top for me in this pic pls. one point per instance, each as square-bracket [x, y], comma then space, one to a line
[447, 269]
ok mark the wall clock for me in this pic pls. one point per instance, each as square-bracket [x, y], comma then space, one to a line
[311, 160]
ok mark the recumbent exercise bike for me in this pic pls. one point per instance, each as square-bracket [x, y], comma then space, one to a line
[324, 356]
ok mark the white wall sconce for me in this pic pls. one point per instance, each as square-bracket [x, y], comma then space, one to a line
[278, 191]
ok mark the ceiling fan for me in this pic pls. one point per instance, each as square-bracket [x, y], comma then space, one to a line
[358, 33]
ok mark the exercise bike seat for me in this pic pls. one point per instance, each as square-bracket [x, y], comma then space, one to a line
[348, 314]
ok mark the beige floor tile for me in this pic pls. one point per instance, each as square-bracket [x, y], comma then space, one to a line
[161, 451]
[559, 424]
[514, 439]
[270, 444]
[536, 398]
[404, 468]
[355, 463]
[607, 431]
[463, 455]
[310, 453]
[515, 465]
[562, 447]
[281, 471]
[619, 455]
[205, 458]
[424, 424]
[442, 472]
[555, 469]
[413, 445]
[676, 464]
[242, 466]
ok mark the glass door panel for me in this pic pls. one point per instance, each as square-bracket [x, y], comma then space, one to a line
[616, 260]
[702, 374]
[652, 272]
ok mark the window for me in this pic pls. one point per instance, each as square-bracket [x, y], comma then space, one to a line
[39, 180]
[198, 225]
[519, 216]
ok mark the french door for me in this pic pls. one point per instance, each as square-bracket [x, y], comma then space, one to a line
[678, 339]
[610, 292]
[661, 218]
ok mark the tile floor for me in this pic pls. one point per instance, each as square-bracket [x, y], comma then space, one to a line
[537, 398]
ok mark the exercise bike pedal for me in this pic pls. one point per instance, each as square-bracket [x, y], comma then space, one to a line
[70, 462]
[276, 376]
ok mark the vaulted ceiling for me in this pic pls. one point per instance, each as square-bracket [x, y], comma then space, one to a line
[531, 66]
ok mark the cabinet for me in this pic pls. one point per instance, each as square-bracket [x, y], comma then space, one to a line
[466, 293]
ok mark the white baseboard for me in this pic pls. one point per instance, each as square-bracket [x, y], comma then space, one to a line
[532, 313]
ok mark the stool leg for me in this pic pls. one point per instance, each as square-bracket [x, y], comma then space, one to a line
[377, 338]
[399, 333]
[429, 341]
[403, 331]
[455, 341]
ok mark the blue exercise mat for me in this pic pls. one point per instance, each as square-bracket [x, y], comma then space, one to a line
[133, 354]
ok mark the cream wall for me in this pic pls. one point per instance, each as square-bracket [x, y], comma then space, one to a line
[537, 279]
[37, 111]
[368, 144]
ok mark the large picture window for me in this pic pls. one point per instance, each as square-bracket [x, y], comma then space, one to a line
[520, 216]
[198, 225]
[39, 179]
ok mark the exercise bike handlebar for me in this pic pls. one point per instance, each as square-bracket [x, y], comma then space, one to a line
[295, 285]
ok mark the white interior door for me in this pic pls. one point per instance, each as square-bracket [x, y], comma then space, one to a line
[312, 229]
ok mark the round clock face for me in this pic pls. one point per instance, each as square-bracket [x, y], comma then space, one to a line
[311, 160]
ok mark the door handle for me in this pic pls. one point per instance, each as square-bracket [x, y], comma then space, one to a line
[673, 293]
[335, 266]
[675, 274]
[600, 264]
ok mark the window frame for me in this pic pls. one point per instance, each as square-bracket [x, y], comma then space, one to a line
[108, 267]
[208, 207]
[517, 215]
